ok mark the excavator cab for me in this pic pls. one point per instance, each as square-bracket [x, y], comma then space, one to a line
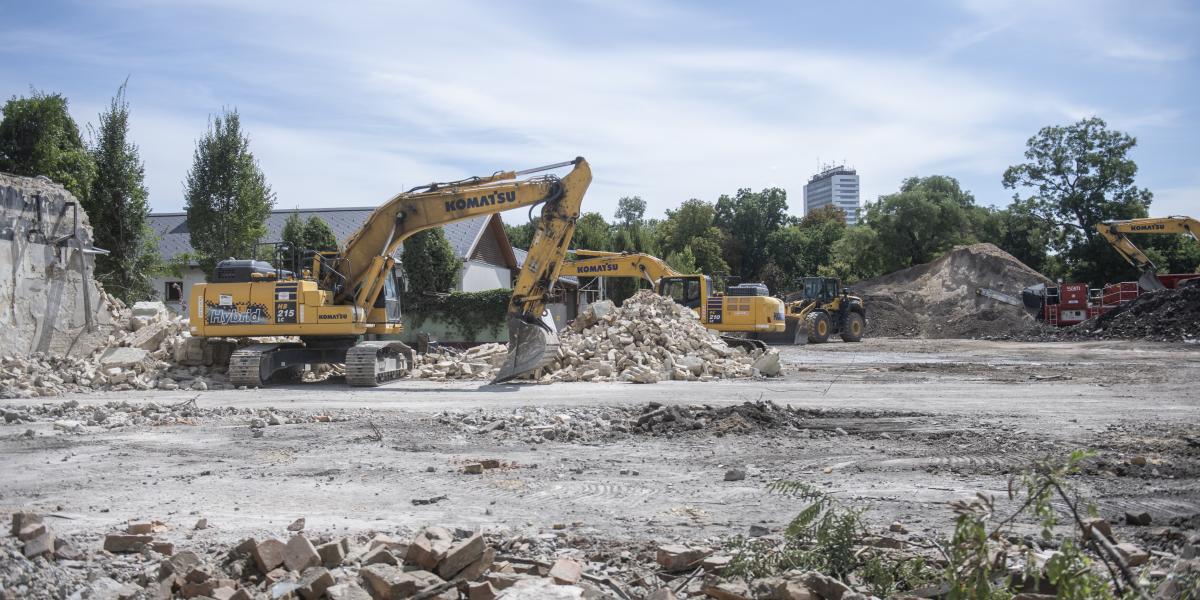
[688, 290]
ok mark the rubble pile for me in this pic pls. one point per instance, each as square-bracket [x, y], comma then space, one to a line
[647, 339]
[938, 299]
[150, 350]
[1165, 315]
[650, 338]
[72, 417]
[589, 424]
[478, 362]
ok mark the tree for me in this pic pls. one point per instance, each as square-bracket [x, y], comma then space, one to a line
[318, 235]
[293, 231]
[1081, 175]
[591, 232]
[117, 208]
[747, 219]
[630, 209]
[856, 255]
[1021, 233]
[39, 137]
[801, 250]
[925, 218]
[226, 194]
[430, 265]
[691, 227]
[521, 236]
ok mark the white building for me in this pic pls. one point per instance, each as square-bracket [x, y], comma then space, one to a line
[836, 186]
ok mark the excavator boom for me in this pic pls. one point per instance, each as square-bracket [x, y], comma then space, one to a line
[1115, 232]
[595, 263]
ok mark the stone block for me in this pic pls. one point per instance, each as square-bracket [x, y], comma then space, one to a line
[476, 569]
[42, 545]
[347, 591]
[124, 357]
[120, 542]
[389, 581]
[565, 571]
[675, 558]
[268, 555]
[460, 555]
[481, 591]
[332, 554]
[429, 547]
[314, 582]
[21, 520]
[299, 554]
[379, 556]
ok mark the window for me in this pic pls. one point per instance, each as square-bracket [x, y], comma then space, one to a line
[173, 291]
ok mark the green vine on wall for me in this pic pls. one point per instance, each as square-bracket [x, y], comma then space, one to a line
[468, 313]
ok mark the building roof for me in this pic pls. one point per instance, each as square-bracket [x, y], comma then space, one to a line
[173, 237]
[521, 254]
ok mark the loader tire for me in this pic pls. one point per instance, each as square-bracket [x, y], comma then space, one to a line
[852, 329]
[818, 327]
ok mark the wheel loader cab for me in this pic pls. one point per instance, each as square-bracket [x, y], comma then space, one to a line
[823, 289]
[688, 290]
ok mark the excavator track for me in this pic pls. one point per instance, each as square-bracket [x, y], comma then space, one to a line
[749, 344]
[370, 364]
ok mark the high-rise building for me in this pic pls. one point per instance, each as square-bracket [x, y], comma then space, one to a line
[837, 186]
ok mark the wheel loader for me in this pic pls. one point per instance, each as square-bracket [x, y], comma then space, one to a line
[820, 310]
[344, 306]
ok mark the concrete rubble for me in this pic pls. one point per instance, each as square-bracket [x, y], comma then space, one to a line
[647, 339]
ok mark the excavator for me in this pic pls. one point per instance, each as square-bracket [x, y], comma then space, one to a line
[1115, 232]
[743, 310]
[341, 305]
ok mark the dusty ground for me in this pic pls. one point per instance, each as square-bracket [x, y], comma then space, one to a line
[923, 422]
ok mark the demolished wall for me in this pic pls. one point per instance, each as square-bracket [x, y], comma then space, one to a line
[48, 300]
[937, 299]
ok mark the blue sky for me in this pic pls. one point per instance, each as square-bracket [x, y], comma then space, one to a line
[347, 103]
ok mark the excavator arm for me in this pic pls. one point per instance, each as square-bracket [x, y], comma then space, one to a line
[1115, 232]
[595, 263]
[367, 255]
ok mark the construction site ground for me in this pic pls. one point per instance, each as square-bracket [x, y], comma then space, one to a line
[901, 425]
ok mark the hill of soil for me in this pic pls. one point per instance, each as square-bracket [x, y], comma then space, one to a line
[938, 300]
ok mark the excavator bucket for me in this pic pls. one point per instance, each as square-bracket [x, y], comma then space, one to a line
[530, 347]
[1149, 281]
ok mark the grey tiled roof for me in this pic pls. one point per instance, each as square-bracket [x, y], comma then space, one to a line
[173, 237]
[521, 254]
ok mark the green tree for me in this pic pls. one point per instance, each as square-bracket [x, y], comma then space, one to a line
[226, 194]
[925, 218]
[1081, 175]
[748, 219]
[591, 232]
[1021, 233]
[116, 206]
[293, 231]
[521, 236]
[39, 137]
[430, 264]
[683, 261]
[801, 250]
[630, 209]
[856, 255]
[318, 235]
[691, 227]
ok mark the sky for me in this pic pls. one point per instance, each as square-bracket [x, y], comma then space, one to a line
[347, 103]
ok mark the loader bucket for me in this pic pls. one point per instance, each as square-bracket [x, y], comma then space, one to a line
[530, 347]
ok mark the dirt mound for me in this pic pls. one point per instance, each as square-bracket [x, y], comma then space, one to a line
[938, 300]
[1166, 315]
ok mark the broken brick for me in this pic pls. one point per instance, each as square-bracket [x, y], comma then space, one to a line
[42, 545]
[347, 591]
[21, 520]
[476, 569]
[680, 558]
[332, 554]
[31, 531]
[390, 581]
[268, 555]
[299, 554]
[566, 572]
[460, 555]
[481, 591]
[314, 582]
[120, 542]
[379, 556]
[429, 547]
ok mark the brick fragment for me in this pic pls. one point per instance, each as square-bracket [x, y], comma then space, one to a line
[42, 545]
[332, 554]
[31, 531]
[347, 591]
[481, 591]
[389, 581]
[429, 547]
[566, 572]
[476, 569]
[680, 558]
[22, 520]
[460, 555]
[299, 554]
[380, 556]
[268, 555]
[120, 542]
[314, 582]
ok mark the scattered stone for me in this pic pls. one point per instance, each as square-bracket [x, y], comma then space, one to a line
[268, 555]
[299, 554]
[332, 554]
[118, 542]
[540, 589]
[1139, 519]
[429, 547]
[201, 523]
[675, 558]
[735, 475]
[825, 586]
[390, 581]
[566, 572]
[379, 556]
[727, 590]
[473, 469]
[1133, 554]
[40, 545]
[297, 525]
[460, 555]
[1096, 524]
[482, 590]
[347, 591]
[314, 582]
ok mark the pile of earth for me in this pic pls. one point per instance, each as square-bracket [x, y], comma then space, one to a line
[938, 299]
[1165, 315]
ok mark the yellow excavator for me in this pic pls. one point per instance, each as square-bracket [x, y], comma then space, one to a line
[341, 304]
[1115, 232]
[744, 309]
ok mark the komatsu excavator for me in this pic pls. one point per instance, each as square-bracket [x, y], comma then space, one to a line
[340, 304]
[745, 309]
[1115, 233]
